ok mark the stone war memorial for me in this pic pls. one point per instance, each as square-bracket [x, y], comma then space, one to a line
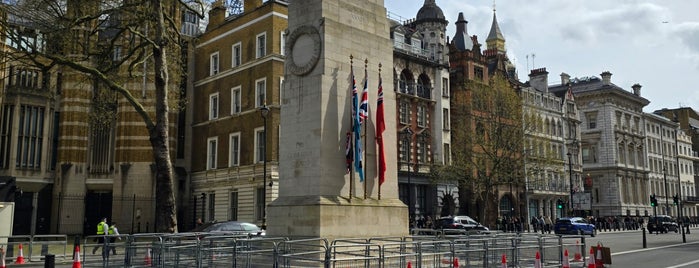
[320, 193]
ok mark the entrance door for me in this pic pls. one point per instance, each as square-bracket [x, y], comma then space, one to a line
[97, 205]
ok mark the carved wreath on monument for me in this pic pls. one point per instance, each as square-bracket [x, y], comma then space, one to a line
[304, 44]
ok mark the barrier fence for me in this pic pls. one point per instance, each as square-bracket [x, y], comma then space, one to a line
[433, 249]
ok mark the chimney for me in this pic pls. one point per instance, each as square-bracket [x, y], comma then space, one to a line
[539, 79]
[217, 15]
[606, 78]
[565, 79]
[636, 89]
[250, 5]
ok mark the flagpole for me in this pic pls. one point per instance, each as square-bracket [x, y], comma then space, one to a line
[351, 169]
[378, 177]
[366, 124]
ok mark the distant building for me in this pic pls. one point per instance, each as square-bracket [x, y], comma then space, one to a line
[553, 159]
[239, 70]
[421, 75]
[613, 145]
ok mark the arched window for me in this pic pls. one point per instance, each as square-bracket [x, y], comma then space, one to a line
[405, 83]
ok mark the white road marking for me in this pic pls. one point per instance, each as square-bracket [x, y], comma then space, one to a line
[684, 264]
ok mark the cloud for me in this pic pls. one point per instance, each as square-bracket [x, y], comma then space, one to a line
[688, 34]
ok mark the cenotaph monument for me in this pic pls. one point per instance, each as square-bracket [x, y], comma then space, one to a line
[318, 197]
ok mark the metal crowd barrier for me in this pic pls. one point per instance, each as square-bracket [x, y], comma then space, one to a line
[198, 250]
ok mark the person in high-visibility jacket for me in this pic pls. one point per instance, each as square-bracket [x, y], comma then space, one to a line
[102, 229]
[113, 231]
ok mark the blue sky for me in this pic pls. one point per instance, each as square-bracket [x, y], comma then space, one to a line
[653, 43]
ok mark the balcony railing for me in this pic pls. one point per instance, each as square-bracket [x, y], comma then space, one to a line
[411, 88]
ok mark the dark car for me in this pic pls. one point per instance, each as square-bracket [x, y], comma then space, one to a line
[230, 227]
[662, 224]
[460, 222]
[574, 226]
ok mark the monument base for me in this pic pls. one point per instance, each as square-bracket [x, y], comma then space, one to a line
[335, 217]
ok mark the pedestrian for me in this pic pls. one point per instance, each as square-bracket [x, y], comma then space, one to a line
[548, 224]
[102, 228]
[114, 234]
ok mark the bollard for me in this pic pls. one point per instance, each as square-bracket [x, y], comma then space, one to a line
[50, 261]
[643, 231]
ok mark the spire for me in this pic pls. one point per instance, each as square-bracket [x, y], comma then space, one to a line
[495, 38]
[462, 40]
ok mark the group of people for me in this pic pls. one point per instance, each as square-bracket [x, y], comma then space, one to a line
[544, 224]
[104, 229]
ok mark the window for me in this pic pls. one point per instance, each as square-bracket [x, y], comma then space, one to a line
[116, 54]
[260, 92]
[259, 202]
[237, 55]
[478, 73]
[447, 154]
[30, 137]
[404, 112]
[259, 145]
[422, 150]
[281, 86]
[261, 42]
[591, 120]
[405, 149]
[235, 100]
[233, 210]
[6, 135]
[212, 207]
[421, 116]
[213, 106]
[398, 39]
[445, 118]
[211, 149]
[445, 87]
[213, 64]
[282, 43]
[234, 150]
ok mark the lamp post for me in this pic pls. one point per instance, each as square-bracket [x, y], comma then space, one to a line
[264, 111]
[408, 136]
[679, 181]
[573, 146]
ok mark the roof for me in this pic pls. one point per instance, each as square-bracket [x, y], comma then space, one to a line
[593, 84]
[495, 33]
[462, 41]
[430, 11]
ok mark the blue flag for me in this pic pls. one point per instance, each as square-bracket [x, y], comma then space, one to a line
[356, 128]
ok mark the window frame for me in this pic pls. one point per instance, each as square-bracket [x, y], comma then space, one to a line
[259, 102]
[237, 60]
[214, 63]
[259, 144]
[234, 150]
[260, 47]
[211, 153]
[236, 102]
[214, 106]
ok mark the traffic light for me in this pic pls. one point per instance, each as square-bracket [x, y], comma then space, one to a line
[675, 200]
[559, 204]
[653, 201]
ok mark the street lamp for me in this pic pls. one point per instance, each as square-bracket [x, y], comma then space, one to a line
[573, 146]
[264, 111]
[408, 133]
[679, 180]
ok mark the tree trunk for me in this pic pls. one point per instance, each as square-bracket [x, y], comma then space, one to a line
[166, 213]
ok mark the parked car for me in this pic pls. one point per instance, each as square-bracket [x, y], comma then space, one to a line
[574, 226]
[230, 227]
[460, 222]
[662, 224]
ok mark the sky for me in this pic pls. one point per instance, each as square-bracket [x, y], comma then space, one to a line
[654, 43]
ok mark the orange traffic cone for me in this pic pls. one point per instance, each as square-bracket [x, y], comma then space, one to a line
[20, 258]
[591, 258]
[503, 261]
[2, 258]
[537, 260]
[577, 257]
[76, 257]
[410, 265]
[148, 262]
[456, 263]
[566, 263]
[598, 258]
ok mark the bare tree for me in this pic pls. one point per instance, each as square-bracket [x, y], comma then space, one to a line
[110, 42]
